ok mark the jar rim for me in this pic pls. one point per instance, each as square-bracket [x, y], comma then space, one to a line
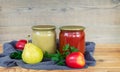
[43, 27]
[72, 28]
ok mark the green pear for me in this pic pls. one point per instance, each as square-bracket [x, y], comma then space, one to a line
[32, 54]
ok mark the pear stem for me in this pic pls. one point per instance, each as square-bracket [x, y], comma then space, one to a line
[28, 38]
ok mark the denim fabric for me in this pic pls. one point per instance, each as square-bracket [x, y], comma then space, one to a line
[8, 48]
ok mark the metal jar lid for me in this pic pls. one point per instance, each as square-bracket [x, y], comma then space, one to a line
[72, 28]
[43, 27]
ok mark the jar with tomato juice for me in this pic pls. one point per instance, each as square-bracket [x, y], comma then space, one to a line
[72, 35]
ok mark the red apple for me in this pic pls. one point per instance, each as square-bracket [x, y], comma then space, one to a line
[75, 60]
[20, 44]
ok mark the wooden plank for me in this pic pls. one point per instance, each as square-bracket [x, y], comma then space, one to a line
[1, 49]
[98, 36]
[103, 70]
[8, 34]
[91, 69]
[113, 46]
[20, 13]
[26, 17]
[53, 3]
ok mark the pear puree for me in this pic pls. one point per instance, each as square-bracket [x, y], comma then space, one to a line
[45, 38]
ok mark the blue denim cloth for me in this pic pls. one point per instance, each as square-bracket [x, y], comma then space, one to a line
[8, 48]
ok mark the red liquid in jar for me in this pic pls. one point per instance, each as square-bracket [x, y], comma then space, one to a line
[74, 38]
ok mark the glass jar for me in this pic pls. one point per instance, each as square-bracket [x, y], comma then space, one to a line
[72, 35]
[44, 36]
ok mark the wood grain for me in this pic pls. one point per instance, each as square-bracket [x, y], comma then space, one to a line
[100, 17]
[98, 34]
[106, 55]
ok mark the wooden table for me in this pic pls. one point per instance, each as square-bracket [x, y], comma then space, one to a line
[106, 55]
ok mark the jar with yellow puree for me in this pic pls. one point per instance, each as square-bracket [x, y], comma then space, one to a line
[44, 36]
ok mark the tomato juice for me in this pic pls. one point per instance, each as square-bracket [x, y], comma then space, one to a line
[72, 35]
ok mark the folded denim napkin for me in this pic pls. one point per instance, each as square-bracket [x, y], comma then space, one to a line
[8, 48]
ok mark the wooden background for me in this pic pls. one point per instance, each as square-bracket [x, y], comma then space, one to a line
[100, 17]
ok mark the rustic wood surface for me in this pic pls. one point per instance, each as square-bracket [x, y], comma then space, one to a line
[106, 55]
[97, 33]
[100, 17]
